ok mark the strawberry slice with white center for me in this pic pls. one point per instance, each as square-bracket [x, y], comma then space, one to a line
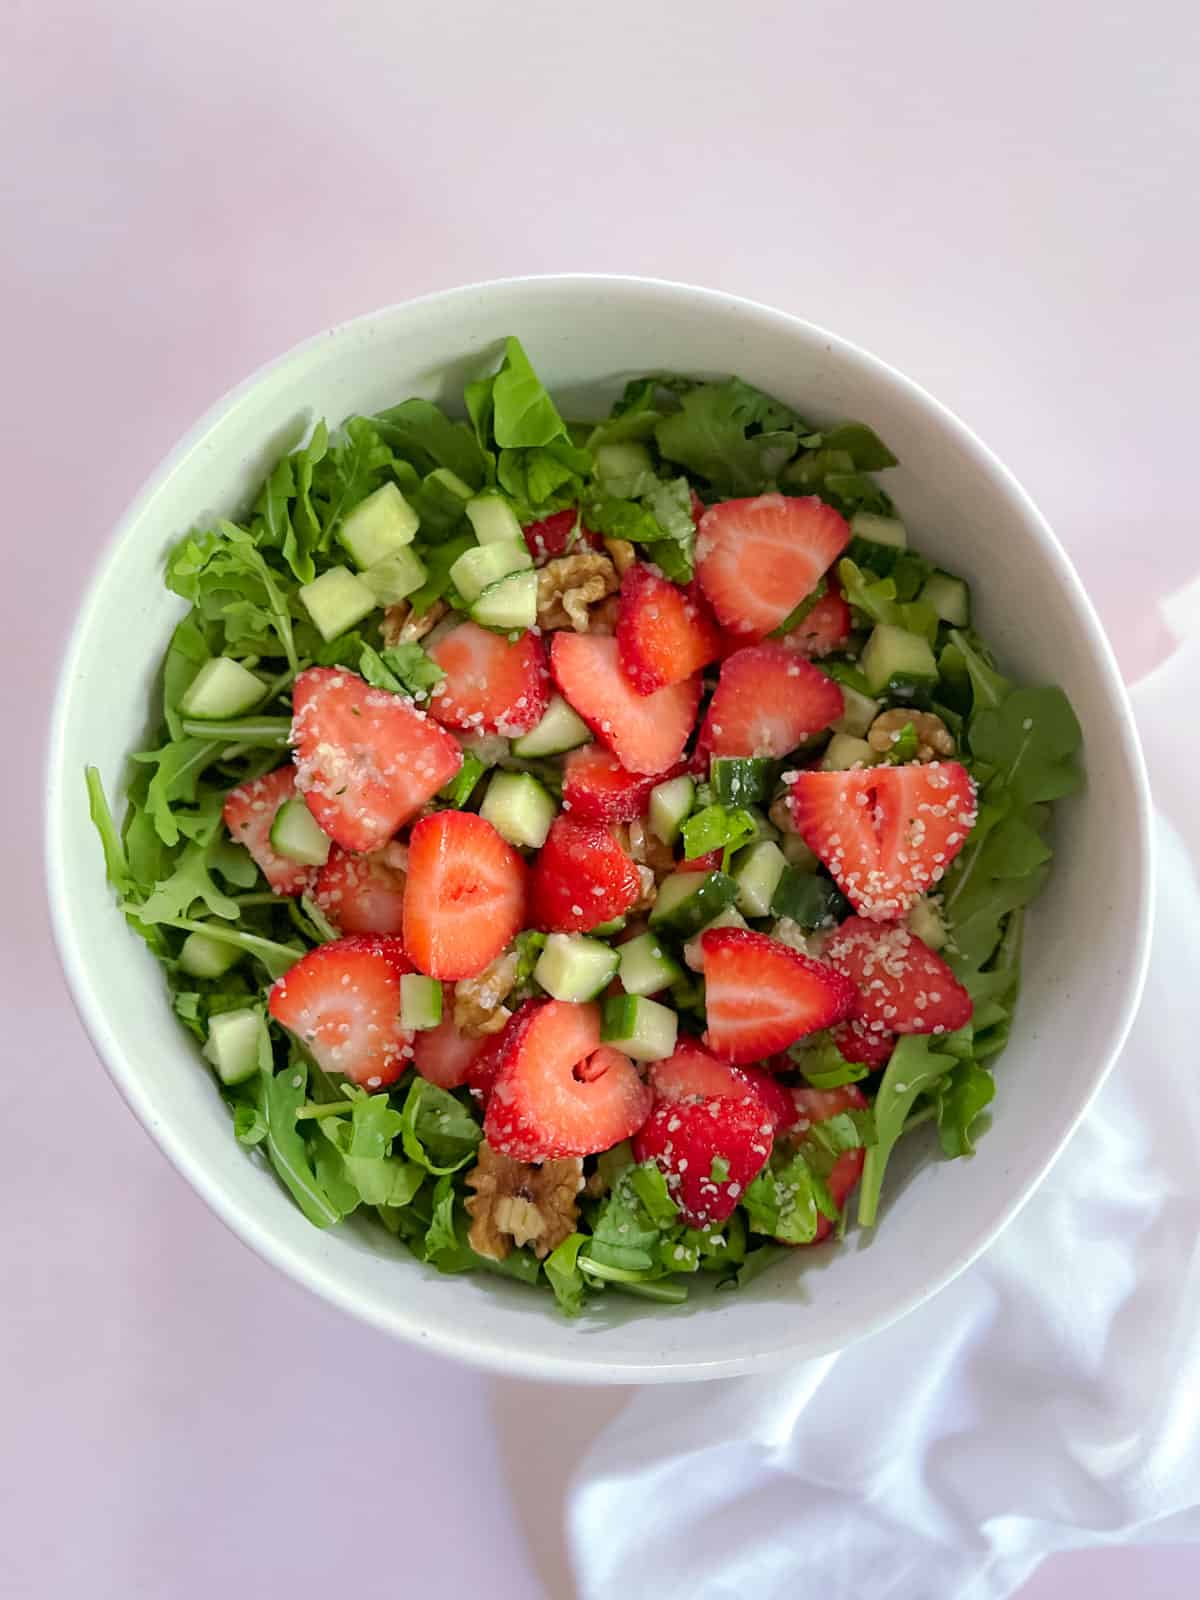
[768, 702]
[663, 635]
[491, 685]
[366, 760]
[445, 1056]
[818, 1105]
[887, 834]
[363, 894]
[646, 732]
[250, 814]
[905, 986]
[465, 896]
[342, 1000]
[709, 1151]
[559, 1091]
[826, 628]
[597, 788]
[761, 996]
[757, 559]
[581, 877]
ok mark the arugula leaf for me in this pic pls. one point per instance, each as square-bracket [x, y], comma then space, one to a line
[402, 668]
[461, 787]
[364, 1139]
[988, 687]
[756, 1263]
[186, 654]
[190, 882]
[716, 828]
[523, 414]
[866, 449]
[650, 1186]
[670, 504]
[249, 1125]
[437, 560]
[823, 1064]
[877, 600]
[438, 1132]
[916, 1064]
[355, 465]
[424, 435]
[229, 582]
[564, 1276]
[786, 1198]
[278, 1098]
[808, 899]
[1030, 738]
[116, 864]
[961, 1097]
[731, 434]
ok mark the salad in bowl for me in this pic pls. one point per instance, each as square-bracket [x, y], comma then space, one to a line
[588, 848]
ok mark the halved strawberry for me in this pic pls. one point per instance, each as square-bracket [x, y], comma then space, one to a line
[597, 788]
[465, 896]
[761, 996]
[491, 686]
[663, 636]
[445, 1056]
[366, 760]
[863, 1045]
[757, 559]
[818, 1105]
[709, 1151]
[559, 1091]
[481, 1074]
[581, 877]
[826, 627]
[558, 535]
[343, 1001]
[363, 894]
[646, 733]
[773, 1094]
[887, 834]
[768, 701]
[905, 986]
[692, 1073]
[249, 814]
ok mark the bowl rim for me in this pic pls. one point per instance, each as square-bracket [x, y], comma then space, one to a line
[474, 1346]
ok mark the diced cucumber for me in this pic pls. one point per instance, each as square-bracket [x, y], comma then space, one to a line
[623, 468]
[395, 577]
[446, 494]
[646, 967]
[741, 780]
[950, 598]
[485, 564]
[858, 713]
[574, 967]
[604, 930]
[203, 957]
[670, 803]
[895, 659]
[378, 526]
[559, 730]
[238, 1044]
[693, 950]
[295, 834]
[511, 603]
[420, 1002]
[688, 901]
[808, 898]
[798, 854]
[336, 601]
[222, 688]
[639, 1028]
[757, 872]
[844, 751]
[925, 920]
[519, 808]
[878, 529]
[494, 520]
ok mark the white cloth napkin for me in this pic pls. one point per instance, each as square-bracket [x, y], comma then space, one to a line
[1046, 1400]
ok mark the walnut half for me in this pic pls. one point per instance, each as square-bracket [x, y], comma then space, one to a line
[516, 1202]
[934, 739]
[401, 627]
[568, 586]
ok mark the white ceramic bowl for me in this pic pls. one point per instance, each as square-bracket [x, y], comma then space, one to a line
[1087, 937]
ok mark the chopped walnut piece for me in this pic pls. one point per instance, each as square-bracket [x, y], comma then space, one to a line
[780, 814]
[622, 555]
[934, 739]
[479, 1007]
[401, 627]
[517, 1202]
[569, 585]
[647, 891]
[647, 849]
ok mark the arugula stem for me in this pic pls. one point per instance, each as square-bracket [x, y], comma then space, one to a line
[255, 899]
[310, 1111]
[264, 732]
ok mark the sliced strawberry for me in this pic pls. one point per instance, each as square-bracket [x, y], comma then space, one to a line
[685, 1137]
[663, 636]
[757, 559]
[366, 760]
[445, 1056]
[343, 1001]
[597, 788]
[887, 834]
[249, 815]
[557, 536]
[826, 628]
[692, 1073]
[761, 996]
[559, 1091]
[580, 878]
[465, 897]
[768, 701]
[863, 1045]
[491, 686]
[481, 1074]
[710, 861]
[905, 986]
[363, 894]
[777, 1097]
[646, 733]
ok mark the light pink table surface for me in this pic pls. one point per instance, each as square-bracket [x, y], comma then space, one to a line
[1001, 201]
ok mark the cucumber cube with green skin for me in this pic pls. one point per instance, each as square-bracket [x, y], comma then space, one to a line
[395, 577]
[509, 605]
[641, 1029]
[858, 713]
[925, 920]
[378, 526]
[561, 729]
[222, 688]
[670, 805]
[446, 495]
[809, 899]
[741, 780]
[892, 656]
[646, 966]
[238, 1044]
[950, 598]
[843, 752]
[203, 957]
[337, 601]
[519, 808]
[295, 834]
[485, 564]
[575, 968]
[420, 1002]
[605, 930]
[757, 871]
[688, 901]
[493, 520]
[878, 529]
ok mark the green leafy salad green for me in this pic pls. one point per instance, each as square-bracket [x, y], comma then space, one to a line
[403, 1154]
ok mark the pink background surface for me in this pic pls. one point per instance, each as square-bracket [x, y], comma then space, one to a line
[1003, 205]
